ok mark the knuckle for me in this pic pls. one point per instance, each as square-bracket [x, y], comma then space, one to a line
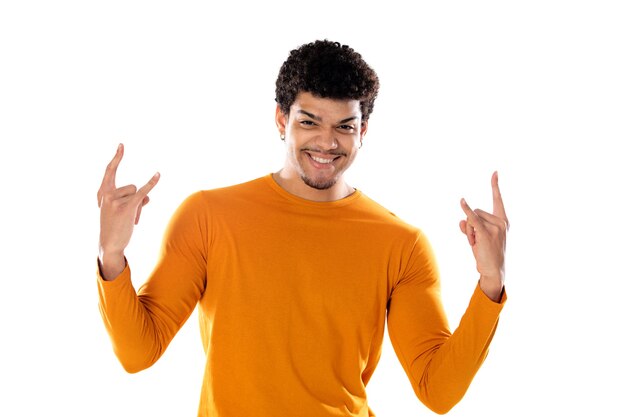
[109, 200]
[105, 196]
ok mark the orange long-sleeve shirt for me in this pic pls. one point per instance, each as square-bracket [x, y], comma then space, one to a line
[292, 297]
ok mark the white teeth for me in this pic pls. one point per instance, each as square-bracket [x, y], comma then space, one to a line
[321, 160]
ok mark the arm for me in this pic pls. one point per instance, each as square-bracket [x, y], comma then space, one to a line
[441, 365]
[141, 324]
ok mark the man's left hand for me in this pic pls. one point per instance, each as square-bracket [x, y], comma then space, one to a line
[486, 234]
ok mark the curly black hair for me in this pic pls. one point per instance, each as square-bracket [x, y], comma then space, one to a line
[329, 70]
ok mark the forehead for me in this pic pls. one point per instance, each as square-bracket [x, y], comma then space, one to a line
[326, 108]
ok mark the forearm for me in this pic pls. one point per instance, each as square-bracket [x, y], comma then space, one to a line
[441, 364]
[132, 330]
[446, 372]
[142, 323]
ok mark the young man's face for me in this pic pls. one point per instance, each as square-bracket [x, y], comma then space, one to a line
[323, 137]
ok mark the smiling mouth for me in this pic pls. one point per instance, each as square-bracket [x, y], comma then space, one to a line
[322, 160]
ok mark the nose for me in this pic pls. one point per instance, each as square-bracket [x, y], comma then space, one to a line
[327, 140]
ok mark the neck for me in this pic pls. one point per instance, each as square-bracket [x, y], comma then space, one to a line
[297, 187]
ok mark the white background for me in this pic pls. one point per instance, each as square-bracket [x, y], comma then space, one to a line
[534, 89]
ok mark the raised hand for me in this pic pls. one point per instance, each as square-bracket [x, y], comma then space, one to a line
[120, 210]
[486, 234]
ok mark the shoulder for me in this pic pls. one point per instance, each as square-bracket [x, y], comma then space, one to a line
[381, 214]
[248, 187]
[251, 186]
[384, 225]
[200, 207]
[203, 200]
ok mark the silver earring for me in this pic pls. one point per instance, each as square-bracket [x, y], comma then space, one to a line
[282, 136]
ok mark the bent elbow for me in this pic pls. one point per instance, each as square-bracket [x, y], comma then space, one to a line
[134, 363]
[443, 398]
[133, 367]
[441, 408]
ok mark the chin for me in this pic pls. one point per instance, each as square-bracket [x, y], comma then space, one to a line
[319, 184]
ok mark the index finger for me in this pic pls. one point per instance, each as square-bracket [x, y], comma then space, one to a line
[498, 204]
[109, 174]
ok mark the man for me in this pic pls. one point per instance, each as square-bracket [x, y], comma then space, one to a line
[295, 273]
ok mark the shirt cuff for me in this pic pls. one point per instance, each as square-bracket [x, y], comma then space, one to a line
[123, 276]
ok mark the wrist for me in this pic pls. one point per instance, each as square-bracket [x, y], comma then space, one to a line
[492, 288]
[111, 264]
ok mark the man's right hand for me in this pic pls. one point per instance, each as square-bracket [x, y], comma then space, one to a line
[120, 209]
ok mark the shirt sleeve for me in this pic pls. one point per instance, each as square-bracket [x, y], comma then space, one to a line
[142, 323]
[440, 364]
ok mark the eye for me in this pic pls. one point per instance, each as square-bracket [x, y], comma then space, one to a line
[307, 123]
[348, 128]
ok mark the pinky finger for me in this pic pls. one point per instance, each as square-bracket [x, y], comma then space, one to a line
[143, 191]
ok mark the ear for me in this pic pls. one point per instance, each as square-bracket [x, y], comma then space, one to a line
[363, 130]
[281, 120]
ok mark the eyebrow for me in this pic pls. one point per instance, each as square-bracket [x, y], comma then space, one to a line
[319, 119]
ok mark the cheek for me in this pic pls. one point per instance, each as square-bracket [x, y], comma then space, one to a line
[298, 137]
[352, 144]
[293, 149]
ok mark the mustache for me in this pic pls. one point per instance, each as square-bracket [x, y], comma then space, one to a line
[334, 152]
